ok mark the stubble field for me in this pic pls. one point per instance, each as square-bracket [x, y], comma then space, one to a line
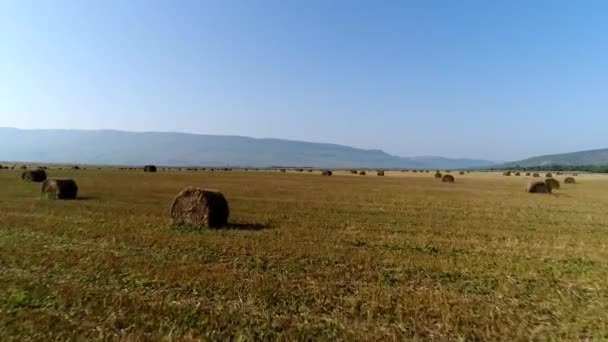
[305, 257]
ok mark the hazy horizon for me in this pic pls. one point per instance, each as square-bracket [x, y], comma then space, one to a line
[494, 81]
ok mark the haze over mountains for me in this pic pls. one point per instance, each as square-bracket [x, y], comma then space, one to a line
[180, 149]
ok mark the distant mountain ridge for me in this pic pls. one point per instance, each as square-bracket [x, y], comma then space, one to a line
[591, 157]
[182, 149]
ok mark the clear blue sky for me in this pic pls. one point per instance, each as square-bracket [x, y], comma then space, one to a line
[499, 80]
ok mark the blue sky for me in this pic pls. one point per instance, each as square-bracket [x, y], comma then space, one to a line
[499, 80]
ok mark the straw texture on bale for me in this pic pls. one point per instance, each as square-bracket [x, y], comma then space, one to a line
[59, 189]
[447, 179]
[149, 168]
[535, 175]
[554, 183]
[569, 180]
[200, 207]
[539, 187]
[549, 175]
[37, 175]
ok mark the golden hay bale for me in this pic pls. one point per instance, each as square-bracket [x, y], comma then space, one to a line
[461, 173]
[535, 175]
[538, 187]
[283, 170]
[361, 173]
[438, 175]
[309, 170]
[554, 183]
[200, 207]
[548, 175]
[506, 173]
[326, 173]
[353, 172]
[300, 170]
[527, 173]
[517, 174]
[380, 173]
[59, 189]
[569, 180]
[37, 175]
[149, 168]
[447, 179]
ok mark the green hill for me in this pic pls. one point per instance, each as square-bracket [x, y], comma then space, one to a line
[593, 157]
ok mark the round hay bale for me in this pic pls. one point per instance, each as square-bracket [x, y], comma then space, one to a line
[59, 189]
[506, 173]
[554, 183]
[538, 187]
[326, 173]
[380, 173]
[569, 180]
[149, 168]
[353, 172]
[37, 175]
[438, 175]
[517, 174]
[528, 174]
[361, 173]
[23, 167]
[309, 170]
[75, 167]
[461, 173]
[548, 175]
[447, 179]
[283, 170]
[200, 207]
[535, 175]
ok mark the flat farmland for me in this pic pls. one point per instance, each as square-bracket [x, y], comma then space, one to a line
[305, 257]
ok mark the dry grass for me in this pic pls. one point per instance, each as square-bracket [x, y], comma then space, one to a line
[306, 257]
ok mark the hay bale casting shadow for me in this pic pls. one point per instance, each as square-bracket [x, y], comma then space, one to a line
[38, 175]
[59, 189]
[448, 179]
[200, 207]
[149, 168]
[569, 180]
[539, 187]
[554, 183]
[326, 173]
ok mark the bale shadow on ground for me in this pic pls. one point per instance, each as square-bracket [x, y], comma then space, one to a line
[247, 226]
[85, 198]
